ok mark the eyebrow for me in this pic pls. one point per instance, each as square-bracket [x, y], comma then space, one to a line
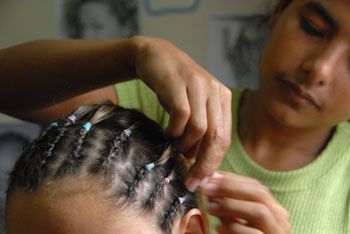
[323, 12]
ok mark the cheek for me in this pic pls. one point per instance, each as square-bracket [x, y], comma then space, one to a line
[286, 48]
[338, 105]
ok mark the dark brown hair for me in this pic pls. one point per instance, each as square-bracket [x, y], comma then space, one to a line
[115, 144]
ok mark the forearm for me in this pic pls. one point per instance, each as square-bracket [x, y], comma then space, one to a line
[41, 73]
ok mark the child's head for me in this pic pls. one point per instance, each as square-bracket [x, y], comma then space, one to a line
[104, 169]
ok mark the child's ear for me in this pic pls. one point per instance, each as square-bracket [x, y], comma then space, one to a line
[193, 222]
[276, 14]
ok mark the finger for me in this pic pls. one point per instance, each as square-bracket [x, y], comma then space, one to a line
[284, 224]
[227, 114]
[193, 151]
[237, 228]
[257, 215]
[242, 188]
[212, 147]
[179, 111]
[197, 123]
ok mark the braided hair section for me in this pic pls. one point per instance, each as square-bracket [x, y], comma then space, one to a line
[127, 153]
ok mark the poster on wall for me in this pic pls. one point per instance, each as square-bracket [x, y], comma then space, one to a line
[161, 7]
[235, 46]
[97, 19]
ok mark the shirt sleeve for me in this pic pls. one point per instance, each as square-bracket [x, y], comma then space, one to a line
[135, 94]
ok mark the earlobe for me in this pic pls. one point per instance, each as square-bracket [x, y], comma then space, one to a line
[193, 222]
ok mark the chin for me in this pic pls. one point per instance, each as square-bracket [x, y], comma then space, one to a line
[288, 116]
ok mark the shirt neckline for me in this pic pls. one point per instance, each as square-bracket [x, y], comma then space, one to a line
[297, 179]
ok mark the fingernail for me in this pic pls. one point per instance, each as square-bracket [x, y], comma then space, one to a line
[216, 176]
[212, 205]
[192, 184]
[209, 187]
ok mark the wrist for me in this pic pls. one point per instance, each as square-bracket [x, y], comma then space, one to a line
[138, 44]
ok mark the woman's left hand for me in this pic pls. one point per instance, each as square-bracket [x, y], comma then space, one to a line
[244, 205]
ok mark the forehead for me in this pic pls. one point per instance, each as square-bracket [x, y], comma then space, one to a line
[72, 211]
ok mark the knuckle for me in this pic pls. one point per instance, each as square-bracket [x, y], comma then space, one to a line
[262, 193]
[196, 78]
[205, 168]
[226, 92]
[198, 127]
[262, 214]
[214, 85]
[217, 137]
[182, 111]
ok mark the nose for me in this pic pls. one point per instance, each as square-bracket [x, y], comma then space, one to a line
[321, 65]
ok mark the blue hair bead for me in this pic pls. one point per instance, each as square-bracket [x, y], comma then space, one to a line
[87, 126]
[149, 166]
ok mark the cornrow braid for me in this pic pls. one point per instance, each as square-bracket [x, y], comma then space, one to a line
[157, 189]
[170, 214]
[113, 147]
[139, 176]
[71, 119]
[136, 181]
[77, 157]
[121, 149]
[41, 170]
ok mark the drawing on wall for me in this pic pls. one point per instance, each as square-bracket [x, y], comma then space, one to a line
[235, 45]
[160, 7]
[97, 19]
[13, 137]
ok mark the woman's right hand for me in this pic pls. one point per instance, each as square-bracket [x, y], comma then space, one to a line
[198, 104]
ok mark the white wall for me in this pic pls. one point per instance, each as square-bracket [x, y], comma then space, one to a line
[25, 20]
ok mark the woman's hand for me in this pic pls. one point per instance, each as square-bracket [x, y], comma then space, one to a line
[244, 205]
[198, 104]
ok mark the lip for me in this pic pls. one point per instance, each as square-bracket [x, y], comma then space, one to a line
[301, 92]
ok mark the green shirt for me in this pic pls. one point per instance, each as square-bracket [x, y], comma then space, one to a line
[316, 196]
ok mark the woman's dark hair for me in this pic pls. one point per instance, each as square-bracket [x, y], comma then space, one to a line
[125, 12]
[124, 148]
[285, 3]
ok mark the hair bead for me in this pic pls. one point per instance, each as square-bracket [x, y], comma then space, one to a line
[182, 199]
[87, 126]
[127, 132]
[165, 181]
[54, 125]
[150, 166]
[72, 118]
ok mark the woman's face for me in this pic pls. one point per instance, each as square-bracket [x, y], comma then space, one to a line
[305, 69]
[98, 22]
